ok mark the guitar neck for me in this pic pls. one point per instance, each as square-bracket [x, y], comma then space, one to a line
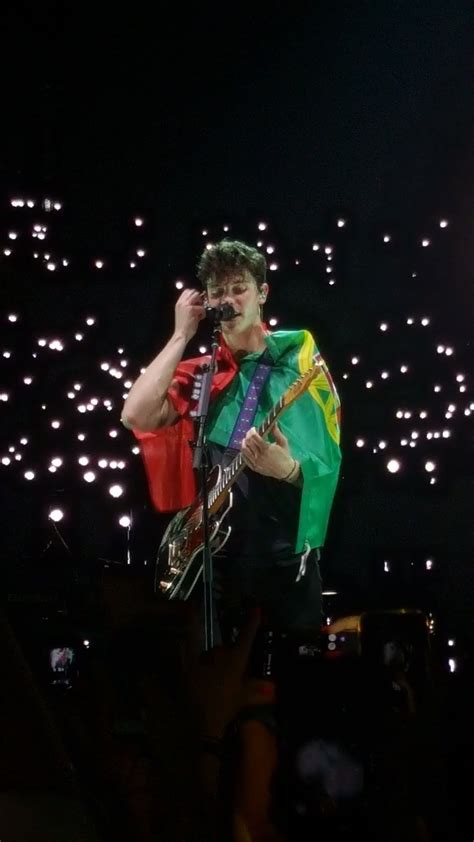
[230, 474]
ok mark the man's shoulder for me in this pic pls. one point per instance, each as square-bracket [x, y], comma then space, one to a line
[284, 343]
[192, 364]
[292, 337]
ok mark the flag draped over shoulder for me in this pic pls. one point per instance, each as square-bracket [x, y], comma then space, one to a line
[311, 425]
[166, 453]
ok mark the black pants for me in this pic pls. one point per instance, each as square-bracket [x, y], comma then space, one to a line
[288, 593]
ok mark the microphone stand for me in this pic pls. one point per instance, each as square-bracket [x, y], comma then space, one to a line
[201, 463]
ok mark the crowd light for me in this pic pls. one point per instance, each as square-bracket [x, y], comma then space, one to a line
[397, 398]
[116, 490]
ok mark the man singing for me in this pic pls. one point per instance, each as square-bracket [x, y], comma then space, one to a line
[283, 500]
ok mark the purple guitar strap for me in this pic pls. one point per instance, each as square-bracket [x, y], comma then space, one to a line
[249, 406]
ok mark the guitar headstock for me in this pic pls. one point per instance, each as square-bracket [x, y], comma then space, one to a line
[300, 385]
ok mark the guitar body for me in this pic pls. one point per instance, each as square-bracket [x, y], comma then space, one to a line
[179, 562]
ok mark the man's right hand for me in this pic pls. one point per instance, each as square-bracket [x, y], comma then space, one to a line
[189, 311]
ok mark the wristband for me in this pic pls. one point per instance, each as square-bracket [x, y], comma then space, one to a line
[295, 465]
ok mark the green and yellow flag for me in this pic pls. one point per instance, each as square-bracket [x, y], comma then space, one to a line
[311, 424]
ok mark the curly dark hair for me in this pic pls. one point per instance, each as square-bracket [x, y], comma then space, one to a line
[231, 256]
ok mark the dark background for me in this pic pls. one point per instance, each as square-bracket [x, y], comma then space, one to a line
[196, 117]
[206, 115]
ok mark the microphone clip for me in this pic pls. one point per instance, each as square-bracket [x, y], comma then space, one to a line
[222, 313]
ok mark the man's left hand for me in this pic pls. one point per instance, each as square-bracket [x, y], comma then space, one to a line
[270, 459]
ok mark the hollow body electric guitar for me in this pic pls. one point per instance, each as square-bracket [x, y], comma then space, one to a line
[179, 561]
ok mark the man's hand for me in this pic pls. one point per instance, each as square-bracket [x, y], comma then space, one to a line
[189, 311]
[271, 460]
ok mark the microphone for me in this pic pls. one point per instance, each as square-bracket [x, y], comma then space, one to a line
[224, 313]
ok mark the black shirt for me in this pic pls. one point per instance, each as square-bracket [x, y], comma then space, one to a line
[264, 515]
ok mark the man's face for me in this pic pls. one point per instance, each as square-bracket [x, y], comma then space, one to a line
[240, 290]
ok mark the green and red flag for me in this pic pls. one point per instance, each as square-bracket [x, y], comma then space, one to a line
[311, 424]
